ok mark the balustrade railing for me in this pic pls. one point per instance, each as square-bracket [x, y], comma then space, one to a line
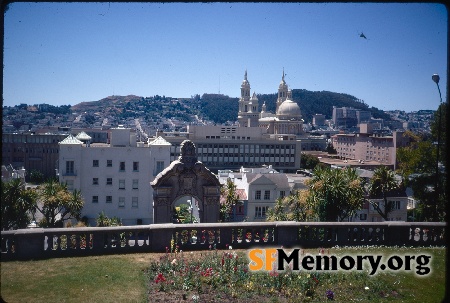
[41, 243]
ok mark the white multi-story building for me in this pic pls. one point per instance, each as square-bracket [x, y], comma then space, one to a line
[114, 178]
[261, 187]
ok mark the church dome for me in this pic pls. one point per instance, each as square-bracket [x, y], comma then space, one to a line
[289, 110]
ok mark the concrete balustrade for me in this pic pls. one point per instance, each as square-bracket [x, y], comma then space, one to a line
[41, 243]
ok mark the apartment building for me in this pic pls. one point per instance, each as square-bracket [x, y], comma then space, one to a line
[32, 152]
[114, 178]
[369, 146]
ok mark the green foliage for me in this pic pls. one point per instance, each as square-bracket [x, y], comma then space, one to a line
[335, 193]
[231, 198]
[321, 103]
[417, 166]
[294, 207]
[36, 176]
[219, 108]
[309, 161]
[57, 203]
[103, 220]
[18, 204]
[382, 183]
[441, 124]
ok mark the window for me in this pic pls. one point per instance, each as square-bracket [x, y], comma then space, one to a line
[121, 184]
[135, 166]
[108, 181]
[260, 211]
[122, 166]
[395, 205]
[121, 202]
[159, 167]
[70, 167]
[362, 217]
[94, 181]
[267, 195]
[69, 184]
[135, 183]
[108, 199]
[108, 163]
[95, 163]
[258, 195]
[282, 194]
[94, 199]
[134, 202]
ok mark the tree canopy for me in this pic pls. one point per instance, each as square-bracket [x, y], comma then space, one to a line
[57, 203]
[18, 204]
[335, 194]
[382, 183]
[294, 207]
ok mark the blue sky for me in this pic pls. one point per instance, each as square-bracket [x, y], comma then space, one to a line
[66, 53]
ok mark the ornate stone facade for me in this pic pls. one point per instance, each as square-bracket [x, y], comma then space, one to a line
[186, 177]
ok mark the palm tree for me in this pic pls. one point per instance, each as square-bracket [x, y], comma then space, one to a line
[336, 194]
[58, 203]
[17, 204]
[383, 182]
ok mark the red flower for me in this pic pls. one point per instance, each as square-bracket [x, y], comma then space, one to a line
[160, 278]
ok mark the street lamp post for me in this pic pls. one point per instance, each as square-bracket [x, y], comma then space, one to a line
[436, 78]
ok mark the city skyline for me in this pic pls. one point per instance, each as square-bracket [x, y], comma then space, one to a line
[67, 53]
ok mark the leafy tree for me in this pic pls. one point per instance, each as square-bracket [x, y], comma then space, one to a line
[294, 207]
[36, 176]
[417, 166]
[383, 182]
[330, 149]
[18, 204]
[104, 221]
[279, 212]
[440, 125]
[57, 203]
[231, 198]
[335, 193]
[309, 161]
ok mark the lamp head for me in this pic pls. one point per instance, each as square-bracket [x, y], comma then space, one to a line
[435, 78]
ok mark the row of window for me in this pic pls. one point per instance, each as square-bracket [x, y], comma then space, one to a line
[247, 146]
[34, 151]
[267, 194]
[109, 181]
[121, 201]
[109, 163]
[70, 166]
[29, 139]
[242, 155]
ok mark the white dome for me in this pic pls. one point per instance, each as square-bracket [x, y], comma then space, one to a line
[289, 110]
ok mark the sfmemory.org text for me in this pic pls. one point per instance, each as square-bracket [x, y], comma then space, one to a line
[279, 259]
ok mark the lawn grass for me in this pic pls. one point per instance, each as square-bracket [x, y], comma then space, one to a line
[131, 278]
[113, 278]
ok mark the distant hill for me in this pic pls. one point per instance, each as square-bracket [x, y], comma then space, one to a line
[105, 102]
[221, 108]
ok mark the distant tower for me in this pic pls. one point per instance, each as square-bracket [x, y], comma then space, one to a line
[248, 114]
[282, 91]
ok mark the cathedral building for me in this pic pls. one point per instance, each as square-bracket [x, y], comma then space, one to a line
[262, 138]
[286, 121]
